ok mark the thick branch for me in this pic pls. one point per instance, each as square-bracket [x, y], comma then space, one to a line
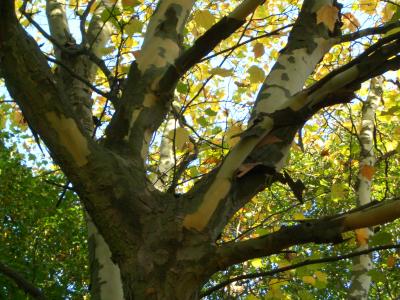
[306, 262]
[21, 282]
[213, 36]
[148, 91]
[325, 230]
[58, 24]
[307, 44]
[385, 28]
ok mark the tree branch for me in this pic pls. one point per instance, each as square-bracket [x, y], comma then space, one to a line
[148, 91]
[385, 28]
[266, 129]
[213, 36]
[306, 262]
[58, 24]
[21, 282]
[324, 230]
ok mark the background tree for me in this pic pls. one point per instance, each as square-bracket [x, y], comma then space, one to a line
[184, 143]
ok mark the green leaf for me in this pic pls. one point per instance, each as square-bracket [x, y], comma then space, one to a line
[182, 88]
[380, 238]
[221, 72]
[202, 121]
[210, 112]
[134, 26]
[377, 275]
[257, 75]
[256, 263]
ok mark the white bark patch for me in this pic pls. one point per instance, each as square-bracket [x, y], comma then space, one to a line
[108, 273]
[157, 53]
[57, 20]
[220, 188]
[297, 66]
[199, 219]
[70, 137]
[333, 84]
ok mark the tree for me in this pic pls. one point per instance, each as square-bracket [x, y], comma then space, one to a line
[164, 183]
[38, 245]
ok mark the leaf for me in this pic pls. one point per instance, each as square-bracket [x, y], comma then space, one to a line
[323, 277]
[204, 18]
[182, 88]
[181, 137]
[256, 263]
[362, 236]
[350, 22]
[202, 121]
[388, 12]
[308, 279]
[337, 191]
[368, 6]
[391, 261]
[257, 75]
[258, 50]
[367, 172]
[328, 14]
[381, 238]
[377, 275]
[305, 295]
[210, 112]
[130, 3]
[298, 216]
[221, 72]
[133, 26]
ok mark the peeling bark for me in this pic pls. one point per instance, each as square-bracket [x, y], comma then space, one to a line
[150, 243]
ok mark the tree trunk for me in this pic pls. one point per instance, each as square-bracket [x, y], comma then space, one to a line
[360, 280]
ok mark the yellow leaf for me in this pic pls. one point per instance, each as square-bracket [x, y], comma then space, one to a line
[308, 279]
[323, 277]
[275, 283]
[257, 75]
[368, 6]
[258, 50]
[256, 263]
[328, 14]
[298, 216]
[367, 172]
[388, 12]
[362, 236]
[350, 22]
[204, 19]
[72, 4]
[337, 191]
[221, 72]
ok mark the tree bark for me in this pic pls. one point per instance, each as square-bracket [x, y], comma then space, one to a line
[148, 242]
[360, 280]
